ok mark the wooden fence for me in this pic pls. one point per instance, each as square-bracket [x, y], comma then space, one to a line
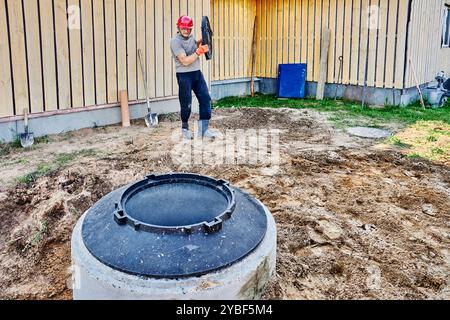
[290, 32]
[61, 54]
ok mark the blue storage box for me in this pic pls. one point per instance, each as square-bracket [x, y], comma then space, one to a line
[291, 80]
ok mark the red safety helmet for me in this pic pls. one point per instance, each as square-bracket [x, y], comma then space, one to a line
[185, 22]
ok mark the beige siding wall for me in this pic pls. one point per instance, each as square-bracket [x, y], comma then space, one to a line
[425, 45]
[46, 66]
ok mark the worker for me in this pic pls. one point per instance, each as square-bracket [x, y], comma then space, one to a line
[187, 53]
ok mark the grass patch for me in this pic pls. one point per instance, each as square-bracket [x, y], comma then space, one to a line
[37, 237]
[43, 169]
[60, 161]
[343, 112]
[15, 144]
[395, 141]
[7, 148]
[425, 139]
[42, 140]
[414, 156]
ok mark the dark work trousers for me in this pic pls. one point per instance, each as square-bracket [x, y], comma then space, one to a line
[188, 82]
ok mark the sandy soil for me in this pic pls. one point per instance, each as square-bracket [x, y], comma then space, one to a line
[356, 220]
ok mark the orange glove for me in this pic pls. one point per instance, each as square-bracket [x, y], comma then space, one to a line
[202, 49]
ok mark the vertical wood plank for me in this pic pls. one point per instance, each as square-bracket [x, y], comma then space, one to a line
[233, 46]
[381, 45]
[48, 55]
[62, 54]
[401, 43]
[20, 77]
[339, 38]
[286, 27]
[326, 24]
[175, 16]
[280, 44]
[87, 30]
[132, 50]
[292, 30]
[150, 25]
[100, 52]
[373, 30]
[183, 7]
[121, 45]
[34, 55]
[76, 60]
[7, 106]
[317, 39]
[221, 40]
[311, 35]
[363, 42]
[268, 46]
[298, 32]
[216, 60]
[248, 37]
[347, 41]
[241, 39]
[355, 42]
[258, 38]
[159, 49]
[111, 55]
[226, 35]
[140, 45]
[167, 52]
[265, 22]
[390, 56]
[332, 59]
[274, 33]
[304, 43]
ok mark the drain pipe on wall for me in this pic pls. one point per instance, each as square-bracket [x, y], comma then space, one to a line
[407, 44]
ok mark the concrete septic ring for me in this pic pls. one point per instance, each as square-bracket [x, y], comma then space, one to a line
[231, 257]
[369, 133]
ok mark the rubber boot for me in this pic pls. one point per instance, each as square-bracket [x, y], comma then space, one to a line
[204, 132]
[187, 134]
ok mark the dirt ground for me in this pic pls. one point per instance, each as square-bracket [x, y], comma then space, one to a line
[356, 219]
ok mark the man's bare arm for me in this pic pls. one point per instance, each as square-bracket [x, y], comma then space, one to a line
[187, 60]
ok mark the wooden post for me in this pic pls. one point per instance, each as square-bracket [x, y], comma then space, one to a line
[323, 64]
[123, 95]
[417, 83]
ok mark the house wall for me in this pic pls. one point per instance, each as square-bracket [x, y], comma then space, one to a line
[47, 66]
[425, 42]
[444, 53]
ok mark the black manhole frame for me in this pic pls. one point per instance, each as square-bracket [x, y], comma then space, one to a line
[121, 217]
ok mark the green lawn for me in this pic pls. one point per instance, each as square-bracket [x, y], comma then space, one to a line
[424, 133]
[344, 112]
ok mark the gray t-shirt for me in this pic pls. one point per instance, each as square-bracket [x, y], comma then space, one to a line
[180, 45]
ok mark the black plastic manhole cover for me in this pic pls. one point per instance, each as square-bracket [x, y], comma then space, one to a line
[174, 225]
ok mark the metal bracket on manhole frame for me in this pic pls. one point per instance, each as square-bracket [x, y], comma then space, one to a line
[121, 217]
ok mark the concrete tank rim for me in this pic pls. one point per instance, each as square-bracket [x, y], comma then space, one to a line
[249, 218]
[82, 258]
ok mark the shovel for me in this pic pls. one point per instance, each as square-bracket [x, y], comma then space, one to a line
[26, 138]
[151, 119]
